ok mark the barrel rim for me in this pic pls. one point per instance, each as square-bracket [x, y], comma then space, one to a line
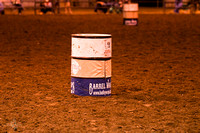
[91, 35]
[107, 77]
[91, 58]
[130, 4]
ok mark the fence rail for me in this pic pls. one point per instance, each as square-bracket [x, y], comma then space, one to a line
[74, 3]
[88, 4]
[189, 5]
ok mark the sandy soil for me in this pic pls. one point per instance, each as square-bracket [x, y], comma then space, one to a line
[155, 82]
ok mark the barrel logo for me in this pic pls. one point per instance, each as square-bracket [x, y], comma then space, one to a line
[75, 67]
[131, 22]
[107, 51]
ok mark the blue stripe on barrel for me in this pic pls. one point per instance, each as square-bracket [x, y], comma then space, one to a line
[91, 86]
[132, 21]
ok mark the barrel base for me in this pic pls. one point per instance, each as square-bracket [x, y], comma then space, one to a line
[129, 21]
[91, 86]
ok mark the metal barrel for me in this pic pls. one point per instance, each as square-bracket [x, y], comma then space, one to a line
[130, 14]
[91, 64]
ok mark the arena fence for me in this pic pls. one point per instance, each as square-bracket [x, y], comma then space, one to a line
[90, 4]
[187, 5]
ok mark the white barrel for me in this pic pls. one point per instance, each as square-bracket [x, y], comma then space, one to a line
[91, 45]
[90, 68]
[130, 14]
[91, 64]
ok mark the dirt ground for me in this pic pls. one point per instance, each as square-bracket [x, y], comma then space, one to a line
[155, 75]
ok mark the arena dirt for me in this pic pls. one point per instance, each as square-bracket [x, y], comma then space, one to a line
[155, 77]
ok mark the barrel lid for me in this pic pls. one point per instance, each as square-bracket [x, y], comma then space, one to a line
[91, 35]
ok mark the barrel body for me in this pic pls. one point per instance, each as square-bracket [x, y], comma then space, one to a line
[130, 14]
[91, 86]
[91, 64]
